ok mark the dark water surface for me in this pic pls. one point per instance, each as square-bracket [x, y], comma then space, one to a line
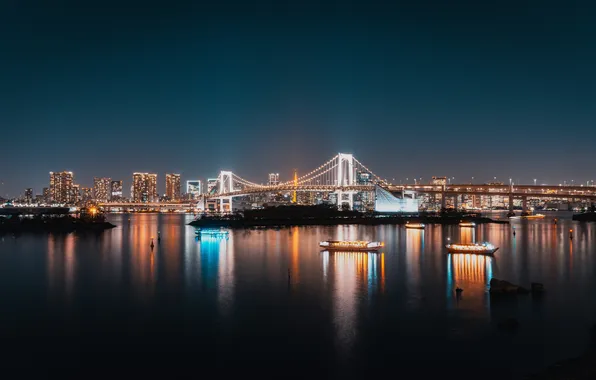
[109, 301]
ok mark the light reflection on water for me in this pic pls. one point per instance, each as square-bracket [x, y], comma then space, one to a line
[270, 283]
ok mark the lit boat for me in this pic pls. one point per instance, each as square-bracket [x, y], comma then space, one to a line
[348, 253]
[211, 232]
[356, 245]
[536, 216]
[417, 226]
[483, 248]
[467, 224]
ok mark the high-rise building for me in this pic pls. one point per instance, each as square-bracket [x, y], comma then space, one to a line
[47, 197]
[439, 181]
[86, 194]
[173, 187]
[61, 187]
[116, 190]
[29, 195]
[273, 179]
[76, 193]
[193, 188]
[101, 189]
[211, 184]
[144, 187]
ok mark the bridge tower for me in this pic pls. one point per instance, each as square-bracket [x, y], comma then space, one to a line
[294, 196]
[345, 178]
[226, 185]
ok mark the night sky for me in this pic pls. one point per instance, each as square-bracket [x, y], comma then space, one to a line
[421, 88]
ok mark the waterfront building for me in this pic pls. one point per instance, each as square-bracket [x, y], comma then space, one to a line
[116, 190]
[439, 181]
[86, 194]
[144, 187]
[101, 189]
[45, 193]
[173, 187]
[273, 179]
[193, 188]
[76, 193]
[61, 187]
[29, 195]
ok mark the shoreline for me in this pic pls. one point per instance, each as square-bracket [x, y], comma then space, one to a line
[290, 222]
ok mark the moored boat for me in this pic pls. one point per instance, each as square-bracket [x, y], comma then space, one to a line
[211, 232]
[347, 245]
[479, 248]
[467, 224]
[416, 226]
[534, 216]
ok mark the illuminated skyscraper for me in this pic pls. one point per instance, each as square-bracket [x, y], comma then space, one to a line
[46, 195]
[86, 194]
[273, 179]
[29, 195]
[116, 190]
[193, 188]
[61, 187]
[101, 189]
[76, 193]
[173, 187]
[144, 187]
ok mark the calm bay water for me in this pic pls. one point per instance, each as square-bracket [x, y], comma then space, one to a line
[109, 300]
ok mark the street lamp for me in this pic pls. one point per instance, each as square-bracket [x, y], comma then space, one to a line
[534, 181]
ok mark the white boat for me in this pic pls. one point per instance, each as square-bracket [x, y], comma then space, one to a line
[354, 245]
[417, 226]
[479, 248]
[467, 224]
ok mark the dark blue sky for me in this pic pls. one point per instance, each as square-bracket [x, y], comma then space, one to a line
[459, 88]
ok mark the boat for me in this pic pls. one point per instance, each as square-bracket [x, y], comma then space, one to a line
[211, 232]
[416, 226]
[467, 224]
[534, 216]
[347, 245]
[479, 248]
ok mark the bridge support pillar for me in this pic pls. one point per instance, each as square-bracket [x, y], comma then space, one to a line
[223, 202]
[510, 202]
[345, 197]
[443, 201]
[524, 205]
[455, 202]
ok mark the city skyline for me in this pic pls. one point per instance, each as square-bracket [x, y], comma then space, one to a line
[416, 90]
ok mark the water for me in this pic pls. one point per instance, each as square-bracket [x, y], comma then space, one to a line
[108, 300]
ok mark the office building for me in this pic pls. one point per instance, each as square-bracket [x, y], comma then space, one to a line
[86, 194]
[101, 189]
[29, 195]
[76, 193]
[45, 193]
[193, 188]
[61, 187]
[273, 179]
[173, 187]
[144, 187]
[439, 181]
[116, 190]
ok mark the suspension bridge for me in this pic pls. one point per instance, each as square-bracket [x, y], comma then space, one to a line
[341, 175]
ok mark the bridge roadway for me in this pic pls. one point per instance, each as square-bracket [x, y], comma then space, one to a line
[523, 191]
